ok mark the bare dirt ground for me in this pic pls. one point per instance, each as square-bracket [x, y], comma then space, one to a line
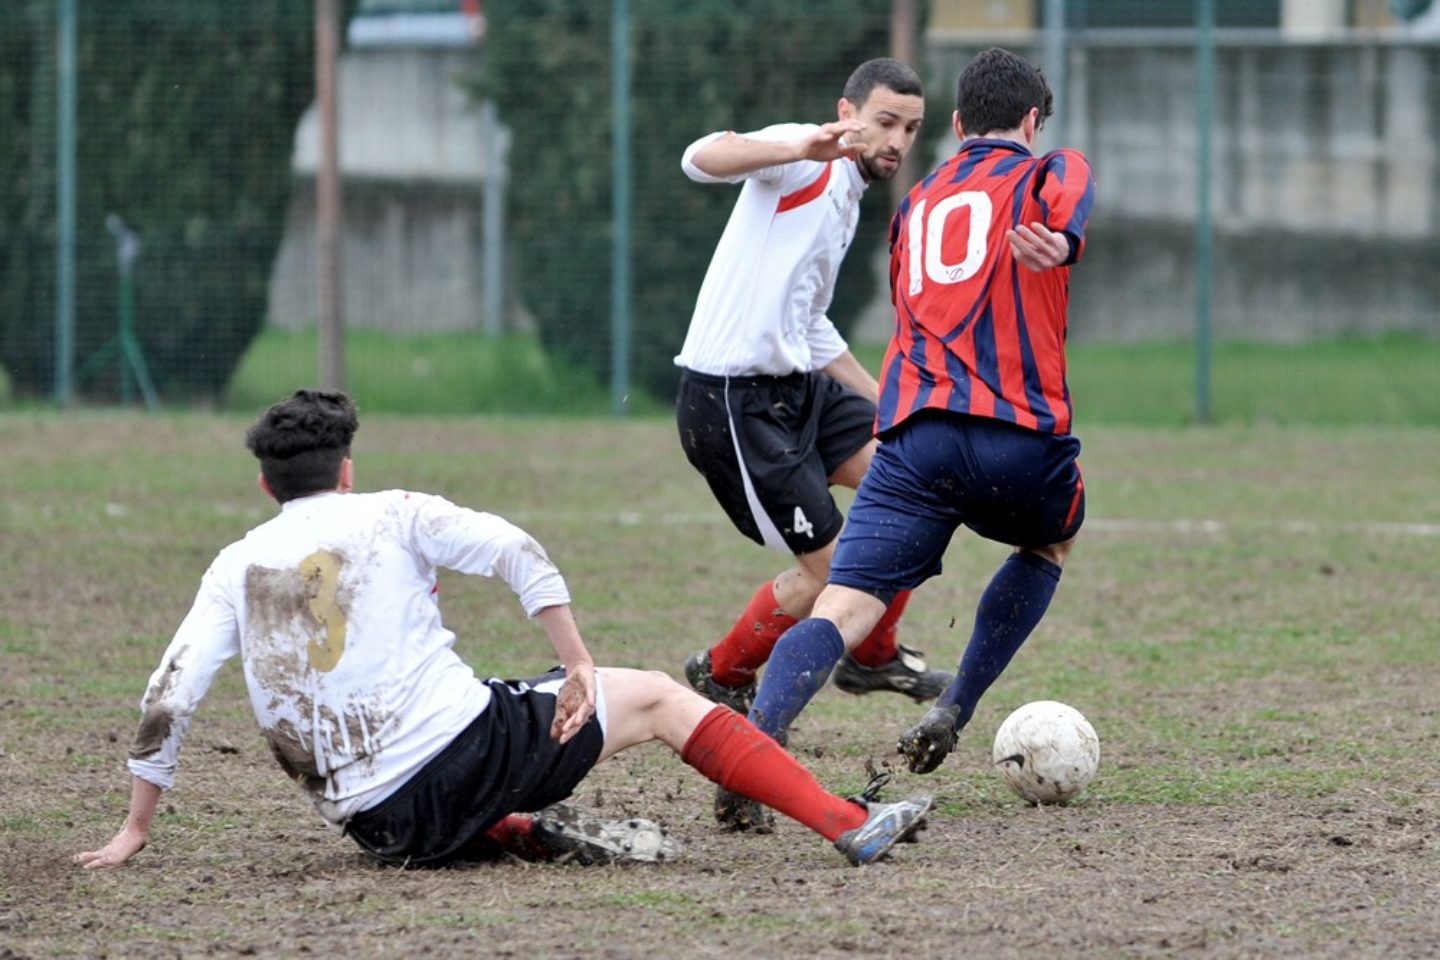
[1265, 697]
[1347, 875]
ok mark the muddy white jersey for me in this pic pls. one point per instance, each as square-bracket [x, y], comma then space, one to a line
[333, 608]
[762, 307]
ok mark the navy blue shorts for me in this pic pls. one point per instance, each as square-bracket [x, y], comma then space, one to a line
[938, 471]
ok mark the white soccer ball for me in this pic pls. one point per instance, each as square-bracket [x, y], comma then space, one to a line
[1046, 751]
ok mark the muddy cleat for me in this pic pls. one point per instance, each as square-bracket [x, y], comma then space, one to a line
[734, 811]
[907, 674]
[571, 835]
[887, 825]
[697, 672]
[925, 745]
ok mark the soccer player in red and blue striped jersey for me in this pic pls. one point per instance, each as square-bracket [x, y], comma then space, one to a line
[976, 331]
[974, 414]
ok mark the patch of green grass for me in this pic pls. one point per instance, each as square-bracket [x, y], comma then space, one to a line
[151, 932]
[432, 373]
[1384, 380]
[1362, 381]
[650, 900]
[1189, 785]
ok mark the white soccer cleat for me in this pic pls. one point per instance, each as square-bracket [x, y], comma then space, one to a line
[571, 835]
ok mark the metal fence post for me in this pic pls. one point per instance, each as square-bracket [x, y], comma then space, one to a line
[1204, 233]
[328, 206]
[65, 69]
[620, 199]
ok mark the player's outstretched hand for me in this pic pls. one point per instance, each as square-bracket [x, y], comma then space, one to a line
[575, 703]
[829, 143]
[121, 847]
[1037, 247]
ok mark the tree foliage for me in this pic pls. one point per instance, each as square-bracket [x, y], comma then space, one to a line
[697, 67]
[186, 120]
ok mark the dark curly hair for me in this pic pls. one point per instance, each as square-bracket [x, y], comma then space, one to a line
[997, 89]
[302, 441]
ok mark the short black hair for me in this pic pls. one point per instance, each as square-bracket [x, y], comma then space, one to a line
[882, 72]
[997, 89]
[302, 440]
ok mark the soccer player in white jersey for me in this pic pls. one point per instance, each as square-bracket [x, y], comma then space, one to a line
[332, 608]
[773, 407]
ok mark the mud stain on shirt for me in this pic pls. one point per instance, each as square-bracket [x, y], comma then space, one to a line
[157, 720]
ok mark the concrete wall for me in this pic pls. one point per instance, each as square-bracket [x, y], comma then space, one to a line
[413, 152]
[1325, 189]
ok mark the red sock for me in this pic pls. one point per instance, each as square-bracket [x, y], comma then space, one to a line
[727, 749]
[734, 660]
[879, 648]
[515, 834]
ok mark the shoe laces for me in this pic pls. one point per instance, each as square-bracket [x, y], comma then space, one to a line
[871, 793]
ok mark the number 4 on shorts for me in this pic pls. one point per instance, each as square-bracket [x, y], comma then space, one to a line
[802, 524]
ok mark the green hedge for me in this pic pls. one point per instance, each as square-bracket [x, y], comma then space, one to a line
[701, 66]
[186, 121]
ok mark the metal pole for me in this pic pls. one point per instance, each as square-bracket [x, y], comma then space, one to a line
[1055, 63]
[492, 224]
[132, 358]
[328, 202]
[904, 25]
[65, 68]
[1204, 233]
[620, 197]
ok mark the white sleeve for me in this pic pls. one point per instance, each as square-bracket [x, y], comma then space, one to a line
[207, 637]
[485, 545]
[826, 344]
[687, 162]
[786, 176]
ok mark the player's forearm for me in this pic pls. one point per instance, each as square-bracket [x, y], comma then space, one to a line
[144, 799]
[559, 625]
[732, 155]
[848, 371]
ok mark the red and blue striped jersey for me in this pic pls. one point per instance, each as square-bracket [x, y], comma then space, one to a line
[975, 332]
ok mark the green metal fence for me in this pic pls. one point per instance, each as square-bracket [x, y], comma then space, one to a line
[512, 169]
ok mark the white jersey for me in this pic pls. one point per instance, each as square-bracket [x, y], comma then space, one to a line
[762, 306]
[332, 606]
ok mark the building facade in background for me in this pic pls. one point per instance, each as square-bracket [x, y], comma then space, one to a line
[1326, 191]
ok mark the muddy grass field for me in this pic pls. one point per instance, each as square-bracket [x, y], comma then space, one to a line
[1251, 621]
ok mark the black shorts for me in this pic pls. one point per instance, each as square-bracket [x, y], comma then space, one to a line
[504, 762]
[938, 471]
[767, 446]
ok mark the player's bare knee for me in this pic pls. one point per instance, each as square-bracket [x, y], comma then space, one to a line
[852, 471]
[1055, 552]
[854, 612]
[797, 588]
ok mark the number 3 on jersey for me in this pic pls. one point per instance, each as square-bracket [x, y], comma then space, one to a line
[927, 233]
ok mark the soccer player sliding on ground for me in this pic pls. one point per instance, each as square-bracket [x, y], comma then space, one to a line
[332, 607]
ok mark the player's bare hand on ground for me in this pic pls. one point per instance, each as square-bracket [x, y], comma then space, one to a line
[575, 703]
[1038, 247]
[122, 847]
[829, 143]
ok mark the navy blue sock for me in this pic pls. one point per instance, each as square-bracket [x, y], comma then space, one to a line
[1011, 607]
[799, 666]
